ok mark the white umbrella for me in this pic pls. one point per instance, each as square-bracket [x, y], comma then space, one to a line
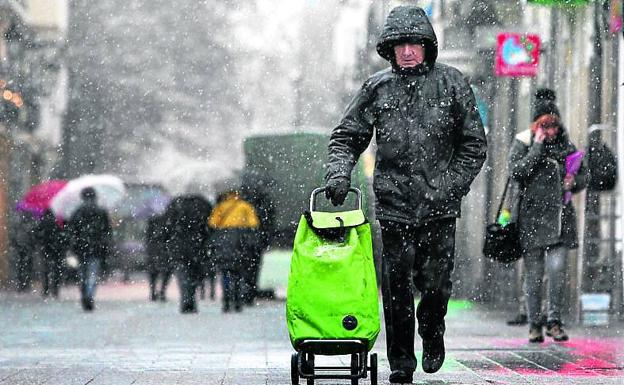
[109, 191]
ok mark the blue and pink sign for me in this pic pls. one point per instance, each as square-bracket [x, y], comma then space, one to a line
[517, 54]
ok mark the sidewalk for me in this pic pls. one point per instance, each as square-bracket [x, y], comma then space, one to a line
[129, 340]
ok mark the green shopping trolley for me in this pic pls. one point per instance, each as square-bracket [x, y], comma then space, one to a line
[332, 305]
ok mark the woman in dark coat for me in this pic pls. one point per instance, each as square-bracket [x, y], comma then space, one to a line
[52, 240]
[547, 223]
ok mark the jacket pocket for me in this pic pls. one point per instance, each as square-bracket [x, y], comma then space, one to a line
[390, 130]
[439, 113]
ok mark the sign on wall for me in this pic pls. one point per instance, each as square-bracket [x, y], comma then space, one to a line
[517, 54]
[616, 16]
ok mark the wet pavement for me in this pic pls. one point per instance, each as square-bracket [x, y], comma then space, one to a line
[129, 340]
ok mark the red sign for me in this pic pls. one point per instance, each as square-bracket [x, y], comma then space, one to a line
[517, 54]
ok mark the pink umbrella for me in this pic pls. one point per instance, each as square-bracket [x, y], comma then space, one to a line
[39, 197]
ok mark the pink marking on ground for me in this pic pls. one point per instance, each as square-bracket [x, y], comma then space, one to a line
[590, 357]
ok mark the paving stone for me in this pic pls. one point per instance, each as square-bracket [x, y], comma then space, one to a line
[129, 340]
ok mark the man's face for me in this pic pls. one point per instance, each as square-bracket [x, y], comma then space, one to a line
[409, 55]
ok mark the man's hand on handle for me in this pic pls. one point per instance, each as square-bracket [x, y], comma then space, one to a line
[336, 190]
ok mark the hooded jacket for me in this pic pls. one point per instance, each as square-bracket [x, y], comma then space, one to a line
[539, 169]
[430, 139]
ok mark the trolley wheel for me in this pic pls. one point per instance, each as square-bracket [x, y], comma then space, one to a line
[310, 368]
[354, 368]
[294, 370]
[373, 368]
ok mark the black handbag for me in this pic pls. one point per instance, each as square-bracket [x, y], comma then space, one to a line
[502, 243]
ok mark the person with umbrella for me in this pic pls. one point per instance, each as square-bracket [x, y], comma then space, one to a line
[91, 238]
[32, 207]
[52, 242]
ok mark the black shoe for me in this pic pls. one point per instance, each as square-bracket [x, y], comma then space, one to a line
[521, 319]
[433, 354]
[153, 297]
[535, 334]
[555, 330]
[88, 305]
[401, 377]
[188, 309]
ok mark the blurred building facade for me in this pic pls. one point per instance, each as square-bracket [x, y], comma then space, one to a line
[578, 59]
[31, 87]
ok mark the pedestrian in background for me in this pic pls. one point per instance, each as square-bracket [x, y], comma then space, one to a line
[546, 221]
[52, 241]
[159, 265]
[23, 241]
[430, 147]
[187, 243]
[91, 240]
[235, 222]
[255, 187]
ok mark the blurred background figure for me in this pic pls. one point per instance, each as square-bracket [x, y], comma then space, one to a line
[210, 277]
[159, 265]
[52, 241]
[255, 190]
[91, 238]
[187, 241]
[23, 242]
[235, 238]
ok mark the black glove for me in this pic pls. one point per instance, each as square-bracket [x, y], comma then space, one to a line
[336, 190]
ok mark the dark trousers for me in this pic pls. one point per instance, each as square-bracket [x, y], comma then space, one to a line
[52, 272]
[251, 271]
[165, 276]
[24, 269]
[420, 257]
[232, 289]
[190, 275]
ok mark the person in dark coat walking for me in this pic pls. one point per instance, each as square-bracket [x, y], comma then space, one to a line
[430, 146]
[255, 187]
[235, 225]
[547, 224]
[91, 239]
[158, 259]
[23, 241]
[52, 241]
[187, 242]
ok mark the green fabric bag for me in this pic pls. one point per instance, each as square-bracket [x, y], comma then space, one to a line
[332, 287]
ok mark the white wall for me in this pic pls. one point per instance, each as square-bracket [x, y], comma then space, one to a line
[48, 14]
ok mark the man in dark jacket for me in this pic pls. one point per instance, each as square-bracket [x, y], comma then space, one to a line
[187, 237]
[158, 258]
[430, 147]
[91, 239]
[255, 187]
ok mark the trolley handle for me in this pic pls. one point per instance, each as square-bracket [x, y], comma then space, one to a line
[319, 190]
